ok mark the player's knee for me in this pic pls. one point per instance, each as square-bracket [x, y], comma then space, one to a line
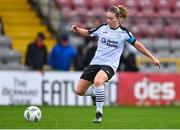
[78, 92]
[98, 82]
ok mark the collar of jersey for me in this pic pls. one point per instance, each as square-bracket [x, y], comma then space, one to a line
[115, 28]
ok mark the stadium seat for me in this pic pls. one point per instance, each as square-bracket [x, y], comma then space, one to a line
[177, 54]
[104, 4]
[164, 13]
[64, 3]
[149, 68]
[67, 12]
[132, 12]
[13, 66]
[168, 68]
[132, 3]
[146, 4]
[80, 10]
[163, 54]
[143, 30]
[3, 53]
[88, 4]
[163, 4]
[98, 10]
[7, 56]
[117, 2]
[147, 42]
[169, 31]
[175, 45]
[5, 42]
[155, 31]
[162, 44]
[12, 56]
[175, 9]
[145, 8]
[145, 69]
[79, 3]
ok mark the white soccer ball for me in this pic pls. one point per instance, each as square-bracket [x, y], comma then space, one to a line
[32, 114]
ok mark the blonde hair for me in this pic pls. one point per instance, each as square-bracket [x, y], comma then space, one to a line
[123, 11]
[120, 11]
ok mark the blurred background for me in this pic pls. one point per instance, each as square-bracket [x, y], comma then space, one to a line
[40, 56]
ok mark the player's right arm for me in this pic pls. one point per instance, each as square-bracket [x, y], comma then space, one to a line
[81, 31]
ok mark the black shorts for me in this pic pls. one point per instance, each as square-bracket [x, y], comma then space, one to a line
[90, 72]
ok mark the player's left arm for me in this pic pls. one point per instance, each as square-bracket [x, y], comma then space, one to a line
[140, 47]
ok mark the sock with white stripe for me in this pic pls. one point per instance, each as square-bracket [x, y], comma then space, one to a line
[90, 91]
[100, 95]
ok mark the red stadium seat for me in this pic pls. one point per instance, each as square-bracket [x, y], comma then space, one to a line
[176, 13]
[149, 12]
[164, 8]
[169, 31]
[145, 8]
[152, 31]
[80, 10]
[141, 20]
[132, 12]
[143, 30]
[163, 12]
[145, 4]
[88, 4]
[177, 33]
[98, 11]
[100, 3]
[79, 2]
[163, 4]
[131, 4]
[155, 31]
[65, 3]
[117, 2]
[67, 12]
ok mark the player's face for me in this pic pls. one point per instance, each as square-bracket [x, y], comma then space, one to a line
[112, 19]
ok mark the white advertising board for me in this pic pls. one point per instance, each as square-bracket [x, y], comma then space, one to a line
[19, 88]
[50, 88]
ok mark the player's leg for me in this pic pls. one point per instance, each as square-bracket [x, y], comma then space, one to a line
[86, 79]
[85, 88]
[102, 76]
[99, 88]
[82, 88]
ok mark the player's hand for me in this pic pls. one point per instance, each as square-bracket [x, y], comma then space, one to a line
[156, 62]
[74, 28]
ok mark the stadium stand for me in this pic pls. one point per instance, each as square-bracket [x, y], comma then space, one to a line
[21, 25]
[153, 22]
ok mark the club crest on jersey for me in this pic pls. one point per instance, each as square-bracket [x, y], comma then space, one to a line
[118, 36]
[109, 42]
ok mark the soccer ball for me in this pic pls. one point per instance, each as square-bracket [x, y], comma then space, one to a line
[32, 114]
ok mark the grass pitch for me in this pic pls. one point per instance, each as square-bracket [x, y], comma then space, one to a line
[81, 118]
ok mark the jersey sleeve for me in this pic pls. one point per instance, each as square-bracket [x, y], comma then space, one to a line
[131, 39]
[95, 31]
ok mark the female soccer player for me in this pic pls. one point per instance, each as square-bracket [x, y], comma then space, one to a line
[111, 39]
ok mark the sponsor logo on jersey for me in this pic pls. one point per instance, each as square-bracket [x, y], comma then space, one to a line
[109, 42]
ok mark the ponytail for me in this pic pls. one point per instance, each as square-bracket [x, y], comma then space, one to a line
[123, 11]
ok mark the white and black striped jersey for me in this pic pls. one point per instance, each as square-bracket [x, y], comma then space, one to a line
[110, 44]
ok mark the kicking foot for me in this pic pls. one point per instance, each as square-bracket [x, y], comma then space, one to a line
[98, 118]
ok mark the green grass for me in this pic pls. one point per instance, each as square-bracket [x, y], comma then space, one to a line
[81, 117]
